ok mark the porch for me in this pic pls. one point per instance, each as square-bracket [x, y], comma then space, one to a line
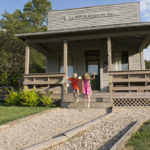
[98, 49]
[126, 88]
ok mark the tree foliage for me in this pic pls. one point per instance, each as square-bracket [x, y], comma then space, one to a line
[147, 64]
[35, 13]
[32, 18]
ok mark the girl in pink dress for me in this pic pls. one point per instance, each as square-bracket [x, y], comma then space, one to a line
[87, 91]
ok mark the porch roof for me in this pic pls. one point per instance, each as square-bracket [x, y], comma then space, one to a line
[129, 35]
[142, 28]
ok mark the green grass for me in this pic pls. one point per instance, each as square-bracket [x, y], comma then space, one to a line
[141, 139]
[10, 113]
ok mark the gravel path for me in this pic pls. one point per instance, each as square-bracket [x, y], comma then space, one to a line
[45, 127]
[105, 134]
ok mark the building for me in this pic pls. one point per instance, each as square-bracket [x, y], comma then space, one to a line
[108, 40]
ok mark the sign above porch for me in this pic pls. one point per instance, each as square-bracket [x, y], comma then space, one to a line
[94, 16]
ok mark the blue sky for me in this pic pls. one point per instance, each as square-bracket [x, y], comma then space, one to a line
[12, 5]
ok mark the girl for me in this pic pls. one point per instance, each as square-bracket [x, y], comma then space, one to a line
[87, 91]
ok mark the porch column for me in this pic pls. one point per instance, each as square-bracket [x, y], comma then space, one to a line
[27, 58]
[142, 60]
[109, 52]
[65, 62]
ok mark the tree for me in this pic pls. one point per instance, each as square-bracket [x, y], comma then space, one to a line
[147, 64]
[35, 13]
[11, 52]
[33, 18]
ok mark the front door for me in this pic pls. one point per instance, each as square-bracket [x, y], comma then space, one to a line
[92, 65]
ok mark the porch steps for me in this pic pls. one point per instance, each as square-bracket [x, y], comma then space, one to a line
[96, 105]
[98, 100]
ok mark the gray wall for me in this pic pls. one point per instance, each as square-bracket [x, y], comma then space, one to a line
[135, 60]
[83, 17]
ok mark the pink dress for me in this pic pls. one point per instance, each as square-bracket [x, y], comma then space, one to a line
[87, 87]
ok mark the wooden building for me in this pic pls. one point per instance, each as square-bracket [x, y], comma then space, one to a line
[108, 40]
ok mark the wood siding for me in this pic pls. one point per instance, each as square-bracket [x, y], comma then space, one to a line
[128, 13]
[134, 60]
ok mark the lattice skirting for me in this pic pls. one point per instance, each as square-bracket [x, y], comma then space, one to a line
[57, 102]
[131, 102]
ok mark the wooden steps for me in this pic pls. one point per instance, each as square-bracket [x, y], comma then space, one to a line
[95, 105]
[98, 100]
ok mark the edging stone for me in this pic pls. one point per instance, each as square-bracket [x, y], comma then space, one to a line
[122, 142]
[46, 144]
[66, 135]
[18, 121]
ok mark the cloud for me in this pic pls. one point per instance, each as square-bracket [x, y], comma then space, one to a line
[145, 10]
[145, 16]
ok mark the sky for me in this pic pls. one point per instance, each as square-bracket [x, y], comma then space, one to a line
[12, 5]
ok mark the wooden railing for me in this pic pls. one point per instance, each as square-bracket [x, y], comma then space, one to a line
[45, 82]
[129, 81]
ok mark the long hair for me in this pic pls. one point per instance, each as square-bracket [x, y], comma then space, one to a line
[86, 76]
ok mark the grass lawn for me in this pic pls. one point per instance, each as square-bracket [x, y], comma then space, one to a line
[10, 113]
[141, 139]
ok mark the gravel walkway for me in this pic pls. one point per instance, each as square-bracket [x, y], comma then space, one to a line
[105, 134]
[45, 127]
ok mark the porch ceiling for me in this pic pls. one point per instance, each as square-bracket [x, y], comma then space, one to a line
[130, 35]
[126, 42]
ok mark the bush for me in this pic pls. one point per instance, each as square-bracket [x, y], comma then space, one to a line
[13, 98]
[46, 100]
[28, 98]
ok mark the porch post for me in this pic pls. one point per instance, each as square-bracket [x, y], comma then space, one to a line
[142, 60]
[27, 58]
[65, 62]
[109, 52]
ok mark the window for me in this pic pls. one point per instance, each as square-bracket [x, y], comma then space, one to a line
[70, 64]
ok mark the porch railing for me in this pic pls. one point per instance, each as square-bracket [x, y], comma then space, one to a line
[130, 88]
[47, 82]
[130, 81]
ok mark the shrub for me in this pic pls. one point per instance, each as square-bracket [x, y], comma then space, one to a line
[28, 97]
[13, 98]
[46, 100]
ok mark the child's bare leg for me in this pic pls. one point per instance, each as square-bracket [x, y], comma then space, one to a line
[74, 95]
[85, 98]
[77, 96]
[89, 100]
